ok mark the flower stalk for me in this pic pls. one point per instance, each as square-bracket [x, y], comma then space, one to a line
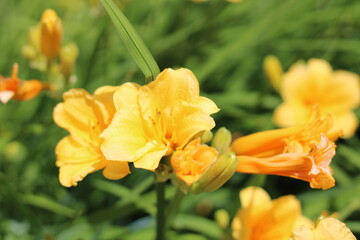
[160, 215]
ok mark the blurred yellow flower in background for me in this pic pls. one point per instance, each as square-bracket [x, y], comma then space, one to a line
[302, 152]
[327, 229]
[154, 120]
[21, 90]
[261, 218]
[315, 83]
[85, 116]
[51, 34]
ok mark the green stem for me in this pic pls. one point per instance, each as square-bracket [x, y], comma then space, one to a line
[173, 208]
[160, 217]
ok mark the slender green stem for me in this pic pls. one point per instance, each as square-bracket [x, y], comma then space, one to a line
[173, 208]
[160, 217]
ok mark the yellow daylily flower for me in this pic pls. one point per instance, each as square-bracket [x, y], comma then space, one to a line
[85, 116]
[51, 34]
[315, 83]
[21, 90]
[327, 229]
[302, 152]
[261, 218]
[154, 120]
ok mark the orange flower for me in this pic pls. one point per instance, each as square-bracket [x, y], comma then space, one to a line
[203, 168]
[315, 83]
[51, 34]
[18, 89]
[261, 218]
[190, 163]
[85, 116]
[303, 152]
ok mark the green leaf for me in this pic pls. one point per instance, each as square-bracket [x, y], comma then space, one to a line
[49, 204]
[132, 41]
[198, 224]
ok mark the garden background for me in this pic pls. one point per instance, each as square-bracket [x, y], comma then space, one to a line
[224, 44]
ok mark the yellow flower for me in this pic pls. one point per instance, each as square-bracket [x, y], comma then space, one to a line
[51, 34]
[303, 152]
[15, 88]
[335, 92]
[154, 120]
[85, 116]
[261, 218]
[327, 229]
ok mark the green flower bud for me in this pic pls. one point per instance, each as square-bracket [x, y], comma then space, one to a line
[222, 218]
[222, 140]
[216, 174]
[206, 137]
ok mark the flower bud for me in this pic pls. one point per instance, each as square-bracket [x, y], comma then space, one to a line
[68, 56]
[220, 171]
[29, 52]
[273, 71]
[34, 37]
[206, 137]
[222, 218]
[51, 34]
[221, 140]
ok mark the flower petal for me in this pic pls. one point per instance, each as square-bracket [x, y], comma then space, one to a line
[189, 120]
[80, 114]
[76, 160]
[207, 105]
[125, 138]
[115, 170]
[347, 122]
[5, 96]
[291, 113]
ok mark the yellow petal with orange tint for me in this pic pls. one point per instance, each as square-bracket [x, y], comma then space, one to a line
[171, 86]
[254, 197]
[188, 121]
[115, 170]
[348, 122]
[77, 114]
[264, 219]
[76, 160]
[206, 105]
[327, 229]
[124, 139]
[291, 113]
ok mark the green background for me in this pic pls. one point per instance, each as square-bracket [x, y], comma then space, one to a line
[224, 44]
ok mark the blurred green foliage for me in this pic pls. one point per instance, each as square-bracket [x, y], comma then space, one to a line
[224, 44]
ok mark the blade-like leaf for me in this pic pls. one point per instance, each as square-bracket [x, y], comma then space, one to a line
[132, 41]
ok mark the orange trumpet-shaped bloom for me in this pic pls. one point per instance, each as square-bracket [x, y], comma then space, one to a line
[302, 152]
[15, 88]
[261, 218]
[51, 34]
[85, 116]
[154, 120]
[327, 229]
[315, 83]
